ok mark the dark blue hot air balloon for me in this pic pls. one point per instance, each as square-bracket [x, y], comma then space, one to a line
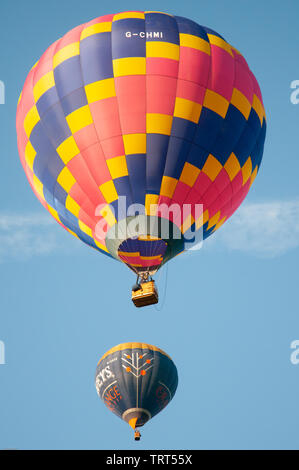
[136, 381]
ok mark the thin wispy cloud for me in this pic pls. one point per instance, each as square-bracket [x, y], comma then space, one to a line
[266, 229]
[24, 236]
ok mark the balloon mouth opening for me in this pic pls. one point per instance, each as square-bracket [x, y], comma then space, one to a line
[136, 417]
[144, 243]
[143, 254]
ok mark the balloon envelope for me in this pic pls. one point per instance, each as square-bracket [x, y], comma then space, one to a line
[141, 113]
[136, 381]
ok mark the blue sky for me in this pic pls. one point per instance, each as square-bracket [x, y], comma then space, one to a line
[231, 309]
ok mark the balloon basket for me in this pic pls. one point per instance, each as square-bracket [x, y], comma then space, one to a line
[146, 295]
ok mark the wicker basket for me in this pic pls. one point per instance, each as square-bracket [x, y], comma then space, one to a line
[146, 295]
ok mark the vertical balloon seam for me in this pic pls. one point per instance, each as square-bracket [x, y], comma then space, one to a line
[171, 384]
[161, 176]
[125, 389]
[252, 147]
[178, 30]
[34, 69]
[176, 93]
[222, 123]
[86, 163]
[103, 160]
[219, 130]
[45, 130]
[169, 138]
[145, 95]
[118, 109]
[65, 216]
[89, 169]
[194, 134]
[146, 104]
[146, 109]
[167, 157]
[152, 379]
[169, 380]
[101, 393]
[190, 140]
[149, 383]
[177, 80]
[83, 158]
[134, 269]
[56, 206]
[142, 387]
[20, 123]
[230, 183]
[260, 132]
[151, 246]
[242, 135]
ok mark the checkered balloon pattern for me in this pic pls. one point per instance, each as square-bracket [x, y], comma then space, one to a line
[145, 105]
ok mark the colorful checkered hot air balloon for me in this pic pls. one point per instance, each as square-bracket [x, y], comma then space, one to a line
[136, 381]
[137, 132]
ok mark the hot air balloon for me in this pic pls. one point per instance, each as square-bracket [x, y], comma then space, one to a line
[136, 381]
[141, 133]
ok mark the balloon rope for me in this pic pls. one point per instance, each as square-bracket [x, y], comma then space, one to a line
[164, 290]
